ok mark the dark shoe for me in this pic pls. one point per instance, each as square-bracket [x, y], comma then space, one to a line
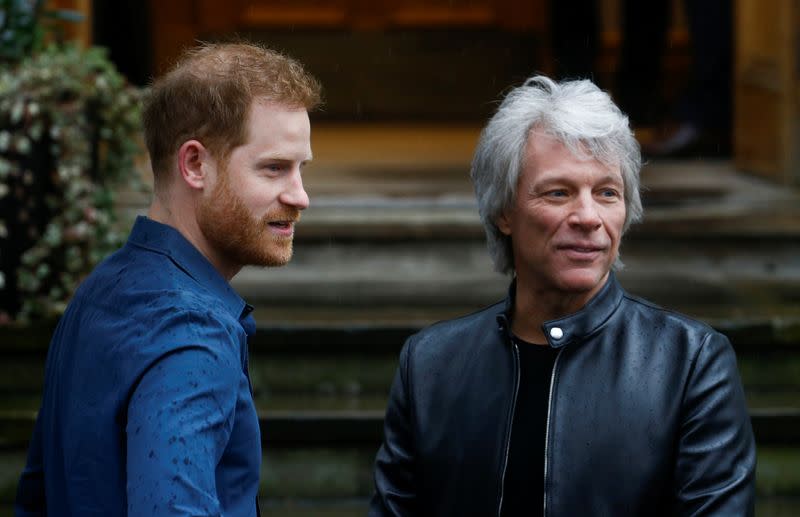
[688, 141]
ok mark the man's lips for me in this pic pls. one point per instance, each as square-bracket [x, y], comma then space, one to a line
[581, 251]
[586, 249]
[281, 224]
[285, 228]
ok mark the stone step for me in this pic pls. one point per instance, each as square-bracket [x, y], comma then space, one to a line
[413, 184]
[338, 482]
[396, 231]
[700, 277]
[288, 385]
[322, 391]
[713, 243]
[344, 333]
[349, 368]
[303, 428]
[397, 195]
[366, 335]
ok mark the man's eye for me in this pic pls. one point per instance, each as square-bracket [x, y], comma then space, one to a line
[610, 192]
[557, 193]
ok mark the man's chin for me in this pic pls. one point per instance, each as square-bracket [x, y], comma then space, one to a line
[275, 256]
[276, 262]
[582, 280]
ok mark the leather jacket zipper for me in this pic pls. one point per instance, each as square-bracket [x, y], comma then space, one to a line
[547, 429]
[510, 423]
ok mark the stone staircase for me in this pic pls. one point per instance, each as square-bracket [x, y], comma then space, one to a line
[392, 242]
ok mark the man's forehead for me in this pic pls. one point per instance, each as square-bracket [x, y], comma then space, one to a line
[545, 152]
[541, 141]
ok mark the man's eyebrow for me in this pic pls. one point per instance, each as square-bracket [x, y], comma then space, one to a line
[282, 158]
[548, 182]
[612, 179]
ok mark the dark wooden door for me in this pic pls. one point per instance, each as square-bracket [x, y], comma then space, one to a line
[378, 59]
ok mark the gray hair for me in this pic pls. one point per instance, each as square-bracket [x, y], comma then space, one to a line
[576, 113]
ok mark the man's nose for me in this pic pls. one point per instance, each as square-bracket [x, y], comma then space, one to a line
[294, 194]
[585, 213]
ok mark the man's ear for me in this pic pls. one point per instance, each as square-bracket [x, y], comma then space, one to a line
[503, 222]
[193, 160]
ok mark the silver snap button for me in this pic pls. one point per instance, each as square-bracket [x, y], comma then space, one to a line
[556, 333]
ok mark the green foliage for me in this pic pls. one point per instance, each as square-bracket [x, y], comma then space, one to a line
[73, 105]
[23, 25]
[20, 31]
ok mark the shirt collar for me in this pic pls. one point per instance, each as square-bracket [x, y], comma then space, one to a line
[166, 240]
[577, 326]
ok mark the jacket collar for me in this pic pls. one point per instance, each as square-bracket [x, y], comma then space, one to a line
[573, 327]
[166, 240]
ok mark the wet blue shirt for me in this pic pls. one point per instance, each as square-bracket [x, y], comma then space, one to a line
[147, 408]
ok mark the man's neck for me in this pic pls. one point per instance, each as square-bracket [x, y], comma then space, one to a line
[163, 213]
[528, 317]
[534, 306]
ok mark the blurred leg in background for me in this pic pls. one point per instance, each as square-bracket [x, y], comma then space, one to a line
[701, 120]
[638, 79]
[698, 121]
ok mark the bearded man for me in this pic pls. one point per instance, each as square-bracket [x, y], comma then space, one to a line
[570, 397]
[147, 406]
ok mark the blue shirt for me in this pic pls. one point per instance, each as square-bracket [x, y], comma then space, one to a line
[147, 407]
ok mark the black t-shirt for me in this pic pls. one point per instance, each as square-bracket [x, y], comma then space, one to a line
[523, 488]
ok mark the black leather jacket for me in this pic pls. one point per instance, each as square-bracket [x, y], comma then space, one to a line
[646, 417]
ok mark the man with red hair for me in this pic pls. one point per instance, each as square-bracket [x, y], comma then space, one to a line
[147, 406]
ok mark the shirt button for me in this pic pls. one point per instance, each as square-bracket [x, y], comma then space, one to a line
[556, 333]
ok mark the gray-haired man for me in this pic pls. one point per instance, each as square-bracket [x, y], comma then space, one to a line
[571, 397]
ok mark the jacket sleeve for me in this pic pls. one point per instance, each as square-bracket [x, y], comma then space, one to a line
[30, 500]
[715, 470]
[395, 483]
[180, 419]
